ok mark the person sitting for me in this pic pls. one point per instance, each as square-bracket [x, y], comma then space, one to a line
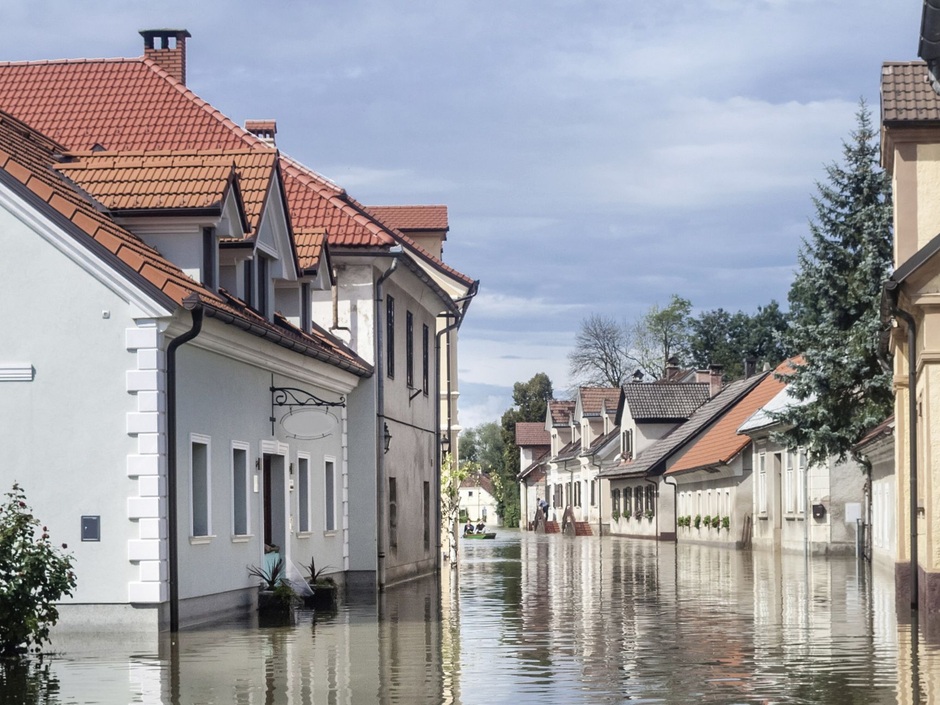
[480, 527]
[468, 529]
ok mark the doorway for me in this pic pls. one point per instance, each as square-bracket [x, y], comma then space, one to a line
[274, 507]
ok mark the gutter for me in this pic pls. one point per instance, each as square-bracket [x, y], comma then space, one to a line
[195, 305]
[380, 479]
[891, 294]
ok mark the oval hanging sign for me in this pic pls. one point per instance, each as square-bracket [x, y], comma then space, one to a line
[309, 423]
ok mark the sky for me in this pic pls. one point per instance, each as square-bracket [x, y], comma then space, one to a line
[596, 157]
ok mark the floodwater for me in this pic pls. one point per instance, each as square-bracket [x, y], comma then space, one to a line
[539, 619]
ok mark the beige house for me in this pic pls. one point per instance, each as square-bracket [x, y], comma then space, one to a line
[911, 154]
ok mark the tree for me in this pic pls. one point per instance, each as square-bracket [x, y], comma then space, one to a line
[662, 334]
[834, 304]
[34, 575]
[599, 357]
[718, 337]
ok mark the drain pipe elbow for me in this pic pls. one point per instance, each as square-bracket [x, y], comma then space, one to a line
[172, 512]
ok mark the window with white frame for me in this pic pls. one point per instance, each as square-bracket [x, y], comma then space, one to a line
[303, 494]
[240, 493]
[789, 484]
[626, 444]
[329, 494]
[200, 482]
[801, 480]
[762, 483]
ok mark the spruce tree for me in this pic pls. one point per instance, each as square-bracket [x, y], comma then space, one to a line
[834, 304]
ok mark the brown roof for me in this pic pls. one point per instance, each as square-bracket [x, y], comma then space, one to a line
[907, 94]
[407, 218]
[480, 480]
[133, 104]
[310, 244]
[28, 158]
[531, 433]
[561, 412]
[885, 428]
[594, 399]
[722, 443]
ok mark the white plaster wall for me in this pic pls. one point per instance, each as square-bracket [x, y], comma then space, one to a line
[884, 538]
[228, 400]
[355, 307]
[727, 494]
[63, 435]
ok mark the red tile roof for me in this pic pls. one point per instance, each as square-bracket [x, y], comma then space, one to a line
[532, 433]
[406, 218]
[722, 443]
[133, 104]
[594, 399]
[310, 244]
[30, 157]
[561, 412]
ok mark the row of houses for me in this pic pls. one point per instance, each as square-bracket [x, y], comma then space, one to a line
[691, 459]
[211, 353]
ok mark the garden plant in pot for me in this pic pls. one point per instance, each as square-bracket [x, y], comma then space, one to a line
[324, 587]
[275, 595]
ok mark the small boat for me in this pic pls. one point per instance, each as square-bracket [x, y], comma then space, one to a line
[484, 535]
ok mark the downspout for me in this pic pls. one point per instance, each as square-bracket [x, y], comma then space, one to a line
[380, 498]
[655, 503]
[912, 435]
[171, 466]
[600, 515]
[437, 421]
[675, 506]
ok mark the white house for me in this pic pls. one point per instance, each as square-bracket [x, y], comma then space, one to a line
[478, 501]
[148, 412]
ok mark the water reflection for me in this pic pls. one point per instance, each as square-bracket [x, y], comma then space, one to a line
[546, 618]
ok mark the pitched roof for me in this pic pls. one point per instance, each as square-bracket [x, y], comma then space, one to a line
[310, 247]
[598, 444]
[907, 94]
[560, 411]
[653, 458]
[569, 451]
[593, 399]
[133, 104]
[540, 463]
[664, 402]
[479, 480]
[27, 161]
[531, 433]
[722, 443]
[885, 428]
[409, 218]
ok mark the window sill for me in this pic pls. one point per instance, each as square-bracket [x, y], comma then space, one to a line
[794, 517]
[201, 540]
[331, 532]
[763, 517]
[241, 538]
[304, 534]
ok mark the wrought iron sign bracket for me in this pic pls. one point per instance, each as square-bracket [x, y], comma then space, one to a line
[293, 397]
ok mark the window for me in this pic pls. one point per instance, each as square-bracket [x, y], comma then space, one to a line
[239, 489]
[329, 494]
[392, 513]
[626, 444]
[200, 482]
[801, 480]
[789, 488]
[637, 500]
[627, 501]
[761, 483]
[263, 285]
[249, 283]
[303, 495]
[650, 500]
[593, 495]
[615, 500]
[425, 357]
[305, 307]
[427, 515]
[390, 336]
[209, 254]
[409, 350]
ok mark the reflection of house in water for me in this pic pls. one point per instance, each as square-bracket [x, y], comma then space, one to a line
[477, 499]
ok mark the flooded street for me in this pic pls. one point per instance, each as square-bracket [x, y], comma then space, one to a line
[545, 619]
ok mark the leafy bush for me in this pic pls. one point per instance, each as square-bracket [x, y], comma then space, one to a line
[726, 523]
[716, 521]
[707, 521]
[34, 575]
[698, 520]
[615, 515]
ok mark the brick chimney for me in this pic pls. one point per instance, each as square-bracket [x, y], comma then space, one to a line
[716, 379]
[170, 59]
[263, 130]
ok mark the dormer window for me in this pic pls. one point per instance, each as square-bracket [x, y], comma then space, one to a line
[210, 258]
[626, 444]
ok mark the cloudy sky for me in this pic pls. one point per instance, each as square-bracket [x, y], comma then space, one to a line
[596, 157]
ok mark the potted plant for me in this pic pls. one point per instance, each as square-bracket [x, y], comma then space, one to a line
[324, 587]
[716, 522]
[649, 515]
[698, 520]
[707, 521]
[615, 515]
[275, 594]
[726, 522]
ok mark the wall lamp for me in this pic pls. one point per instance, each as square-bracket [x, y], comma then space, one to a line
[388, 438]
[445, 444]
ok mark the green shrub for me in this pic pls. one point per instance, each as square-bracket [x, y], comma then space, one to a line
[698, 520]
[615, 515]
[726, 523]
[34, 575]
